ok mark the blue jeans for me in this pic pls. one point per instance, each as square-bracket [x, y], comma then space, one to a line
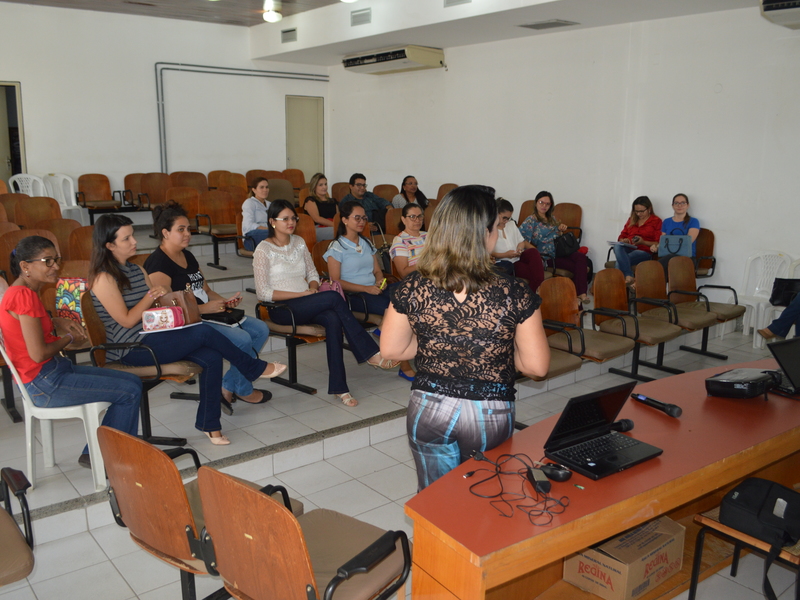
[331, 311]
[259, 235]
[790, 316]
[249, 337]
[375, 304]
[60, 383]
[627, 258]
[206, 347]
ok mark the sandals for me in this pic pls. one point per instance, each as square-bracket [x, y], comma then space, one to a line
[347, 399]
[277, 369]
[383, 363]
[219, 440]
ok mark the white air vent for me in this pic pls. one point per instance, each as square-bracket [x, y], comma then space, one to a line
[288, 35]
[782, 12]
[395, 60]
[449, 3]
[551, 24]
[361, 17]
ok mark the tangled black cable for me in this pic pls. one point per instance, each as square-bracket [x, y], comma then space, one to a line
[544, 506]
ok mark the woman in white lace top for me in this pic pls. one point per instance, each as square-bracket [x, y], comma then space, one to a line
[285, 274]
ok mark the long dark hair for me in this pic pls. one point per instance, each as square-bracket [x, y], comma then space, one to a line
[419, 197]
[103, 261]
[640, 201]
[548, 217]
[402, 226]
[344, 212]
[686, 217]
[276, 207]
[27, 249]
[165, 215]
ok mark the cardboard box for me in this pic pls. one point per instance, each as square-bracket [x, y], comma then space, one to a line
[630, 564]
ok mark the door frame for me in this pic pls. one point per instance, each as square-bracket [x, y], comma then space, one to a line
[322, 133]
[18, 92]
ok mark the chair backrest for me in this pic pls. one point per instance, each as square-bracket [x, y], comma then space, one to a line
[149, 492]
[26, 398]
[296, 177]
[393, 221]
[155, 185]
[526, 210]
[219, 205]
[794, 268]
[95, 330]
[428, 216]
[236, 179]
[705, 247]
[192, 179]
[80, 243]
[5, 227]
[140, 258]
[69, 269]
[259, 545]
[95, 187]
[761, 270]
[559, 301]
[3, 215]
[62, 188]
[609, 292]
[682, 277]
[61, 228]
[253, 173]
[216, 178]
[23, 183]
[189, 198]
[280, 189]
[133, 184]
[650, 283]
[9, 241]
[3, 187]
[444, 189]
[387, 191]
[240, 233]
[301, 197]
[307, 230]
[34, 209]
[238, 193]
[568, 213]
[9, 203]
[340, 190]
[320, 248]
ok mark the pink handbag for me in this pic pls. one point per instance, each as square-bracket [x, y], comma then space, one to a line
[158, 319]
[332, 286]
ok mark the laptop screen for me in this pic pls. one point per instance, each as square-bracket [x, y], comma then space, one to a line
[589, 415]
[787, 353]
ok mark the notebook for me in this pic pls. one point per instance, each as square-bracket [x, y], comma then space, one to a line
[583, 441]
[787, 353]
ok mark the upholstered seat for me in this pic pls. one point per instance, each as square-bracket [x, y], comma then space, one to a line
[560, 364]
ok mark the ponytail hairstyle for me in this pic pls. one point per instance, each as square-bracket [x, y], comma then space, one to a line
[102, 260]
[640, 201]
[26, 250]
[165, 215]
[276, 207]
[686, 218]
[344, 212]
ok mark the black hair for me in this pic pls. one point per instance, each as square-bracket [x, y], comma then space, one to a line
[165, 215]
[345, 210]
[504, 205]
[355, 176]
[102, 260]
[548, 217]
[419, 197]
[27, 249]
[276, 207]
[686, 217]
[409, 205]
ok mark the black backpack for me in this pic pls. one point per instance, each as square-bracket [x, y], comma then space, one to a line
[766, 511]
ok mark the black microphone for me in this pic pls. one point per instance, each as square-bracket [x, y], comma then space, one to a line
[622, 425]
[670, 409]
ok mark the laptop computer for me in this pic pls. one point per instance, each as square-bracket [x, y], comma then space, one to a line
[787, 353]
[583, 441]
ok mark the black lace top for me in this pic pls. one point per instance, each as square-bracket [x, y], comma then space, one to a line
[465, 350]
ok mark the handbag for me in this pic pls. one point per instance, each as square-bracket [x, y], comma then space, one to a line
[230, 316]
[784, 291]
[183, 299]
[566, 244]
[166, 317]
[675, 245]
[331, 286]
[68, 299]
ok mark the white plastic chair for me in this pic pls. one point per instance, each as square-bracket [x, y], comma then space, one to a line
[23, 183]
[88, 413]
[760, 271]
[773, 312]
[62, 188]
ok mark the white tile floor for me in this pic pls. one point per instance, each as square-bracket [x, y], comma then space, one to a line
[366, 473]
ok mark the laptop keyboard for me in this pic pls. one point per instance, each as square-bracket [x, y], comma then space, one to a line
[785, 383]
[597, 447]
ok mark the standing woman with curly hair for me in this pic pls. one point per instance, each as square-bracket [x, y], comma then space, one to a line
[470, 329]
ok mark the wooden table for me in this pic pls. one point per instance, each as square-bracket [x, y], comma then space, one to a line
[463, 549]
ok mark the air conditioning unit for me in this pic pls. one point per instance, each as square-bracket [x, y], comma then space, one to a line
[782, 12]
[395, 60]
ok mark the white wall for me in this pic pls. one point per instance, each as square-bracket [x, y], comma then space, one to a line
[705, 105]
[89, 93]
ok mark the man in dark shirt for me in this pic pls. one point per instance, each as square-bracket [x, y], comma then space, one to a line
[374, 206]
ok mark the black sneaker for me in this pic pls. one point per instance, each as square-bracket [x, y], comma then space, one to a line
[85, 461]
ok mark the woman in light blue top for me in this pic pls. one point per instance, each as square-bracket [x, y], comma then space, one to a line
[254, 214]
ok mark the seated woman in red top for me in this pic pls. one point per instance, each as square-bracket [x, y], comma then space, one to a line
[52, 380]
[642, 231]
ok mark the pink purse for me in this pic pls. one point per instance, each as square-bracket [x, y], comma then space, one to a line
[332, 286]
[158, 319]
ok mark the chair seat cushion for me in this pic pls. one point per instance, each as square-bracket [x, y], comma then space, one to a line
[600, 346]
[561, 363]
[221, 229]
[332, 539]
[16, 558]
[315, 330]
[725, 312]
[651, 332]
[179, 369]
[691, 319]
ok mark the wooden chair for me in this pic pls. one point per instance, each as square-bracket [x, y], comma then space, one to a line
[238, 180]
[296, 177]
[140, 258]
[240, 238]
[683, 291]
[80, 243]
[238, 194]
[562, 323]
[3, 187]
[216, 218]
[9, 203]
[16, 552]
[35, 209]
[526, 210]
[301, 197]
[261, 550]
[571, 215]
[216, 179]
[320, 264]
[61, 228]
[154, 189]
[428, 216]
[192, 179]
[306, 230]
[253, 173]
[393, 221]
[3, 215]
[189, 198]
[652, 302]
[280, 189]
[133, 189]
[95, 195]
[705, 261]
[387, 191]
[340, 190]
[10, 239]
[612, 315]
[151, 376]
[444, 189]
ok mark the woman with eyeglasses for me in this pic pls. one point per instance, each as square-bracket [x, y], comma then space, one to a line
[407, 246]
[353, 262]
[639, 238]
[471, 329]
[284, 273]
[513, 255]
[541, 229]
[35, 350]
[409, 194]
[680, 223]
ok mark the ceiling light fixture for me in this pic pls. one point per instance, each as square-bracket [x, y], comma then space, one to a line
[349, 1]
[272, 11]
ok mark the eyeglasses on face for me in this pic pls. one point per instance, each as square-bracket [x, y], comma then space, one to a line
[48, 261]
[359, 218]
[680, 204]
[543, 203]
[290, 219]
[641, 212]
[505, 219]
[417, 217]
[360, 185]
